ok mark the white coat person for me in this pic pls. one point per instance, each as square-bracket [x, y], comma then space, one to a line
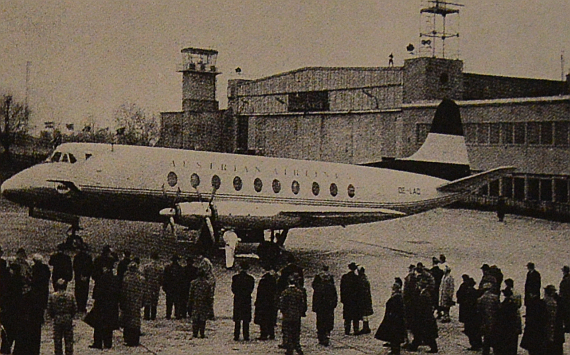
[231, 240]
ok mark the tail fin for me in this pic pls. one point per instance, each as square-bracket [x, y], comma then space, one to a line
[444, 153]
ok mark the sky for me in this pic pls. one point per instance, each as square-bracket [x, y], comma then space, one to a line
[87, 57]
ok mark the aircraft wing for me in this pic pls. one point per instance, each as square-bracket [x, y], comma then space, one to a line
[473, 182]
[301, 215]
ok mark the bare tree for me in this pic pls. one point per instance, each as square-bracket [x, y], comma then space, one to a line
[14, 122]
[135, 126]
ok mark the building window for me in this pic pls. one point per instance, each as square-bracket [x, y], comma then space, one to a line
[316, 188]
[172, 179]
[216, 182]
[238, 184]
[533, 193]
[295, 187]
[483, 133]
[533, 133]
[470, 130]
[351, 191]
[520, 133]
[257, 184]
[507, 187]
[422, 131]
[276, 185]
[194, 180]
[519, 189]
[561, 134]
[308, 101]
[494, 188]
[494, 133]
[334, 189]
[546, 133]
[545, 190]
[561, 190]
[507, 133]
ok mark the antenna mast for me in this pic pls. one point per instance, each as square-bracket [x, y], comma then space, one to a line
[436, 28]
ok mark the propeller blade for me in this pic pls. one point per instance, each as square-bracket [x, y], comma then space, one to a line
[211, 229]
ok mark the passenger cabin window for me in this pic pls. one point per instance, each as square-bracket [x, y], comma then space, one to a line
[194, 180]
[276, 185]
[334, 190]
[316, 188]
[351, 190]
[258, 184]
[295, 187]
[238, 184]
[216, 182]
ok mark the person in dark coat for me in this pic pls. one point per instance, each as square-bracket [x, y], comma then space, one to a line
[5, 299]
[106, 258]
[467, 297]
[534, 335]
[242, 287]
[82, 268]
[62, 265]
[532, 284]
[123, 265]
[38, 299]
[349, 296]
[424, 327]
[61, 308]
[366, 309]
[11, 304]
[325, 300]
[496, 272]
[437, 274]
[133, 289]
[501, 209]
[104, 316]
[293, 306]
[488, 278]
[266, 304]
[201, 297]
[393, 327]
[508, 326]
[554, 323]
[565, 297]
[190, 274]
[172, 286]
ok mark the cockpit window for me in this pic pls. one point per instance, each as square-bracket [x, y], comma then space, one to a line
[72, 158]
[88, 155]
[55, 157]
[65, 159]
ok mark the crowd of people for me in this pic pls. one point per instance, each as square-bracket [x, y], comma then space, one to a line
[126, 292]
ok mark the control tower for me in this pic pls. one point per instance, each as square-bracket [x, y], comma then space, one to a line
[199, 72]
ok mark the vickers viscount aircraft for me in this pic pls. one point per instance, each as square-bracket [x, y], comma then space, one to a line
[251, 194]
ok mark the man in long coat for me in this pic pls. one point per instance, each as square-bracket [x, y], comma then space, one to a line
[132, 300]
[293, 306]
[38, 298]
[83, 268]
[172, 286]
[424, 327]
[467, 297]
[349, 296]
[201, 298]
[153, 273]
[393, 327]
[366, 309]
[266, 304]
[242, 287]
[325, 299]
[508, 326]
[104, 316]
[410, 296]
[446, 292]
[532, 283]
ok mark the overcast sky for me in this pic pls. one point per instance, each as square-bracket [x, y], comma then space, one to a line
[89, 56]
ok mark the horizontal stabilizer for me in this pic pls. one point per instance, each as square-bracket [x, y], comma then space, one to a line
[473, 182]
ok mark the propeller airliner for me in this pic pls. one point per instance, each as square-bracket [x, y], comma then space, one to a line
[210, 191]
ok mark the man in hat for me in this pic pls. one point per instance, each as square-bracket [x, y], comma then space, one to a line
[153, 273]
[349, 297]
[532, 284]
[62, 308]
[325, 300]
[242, 287]
[131, 302]
[171, 284]
[487, 278]
[565, 297]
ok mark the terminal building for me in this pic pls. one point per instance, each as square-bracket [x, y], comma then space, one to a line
[361, 115]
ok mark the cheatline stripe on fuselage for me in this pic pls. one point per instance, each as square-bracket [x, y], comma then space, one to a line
[194, 197]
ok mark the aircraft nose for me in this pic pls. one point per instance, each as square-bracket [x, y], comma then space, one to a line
[12, 188]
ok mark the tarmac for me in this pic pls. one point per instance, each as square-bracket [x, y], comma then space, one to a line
[468, 239]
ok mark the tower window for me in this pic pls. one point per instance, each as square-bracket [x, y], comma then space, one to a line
[308, 101]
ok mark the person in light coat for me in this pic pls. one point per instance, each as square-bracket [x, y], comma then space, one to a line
[446, 292]
[230, 240]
